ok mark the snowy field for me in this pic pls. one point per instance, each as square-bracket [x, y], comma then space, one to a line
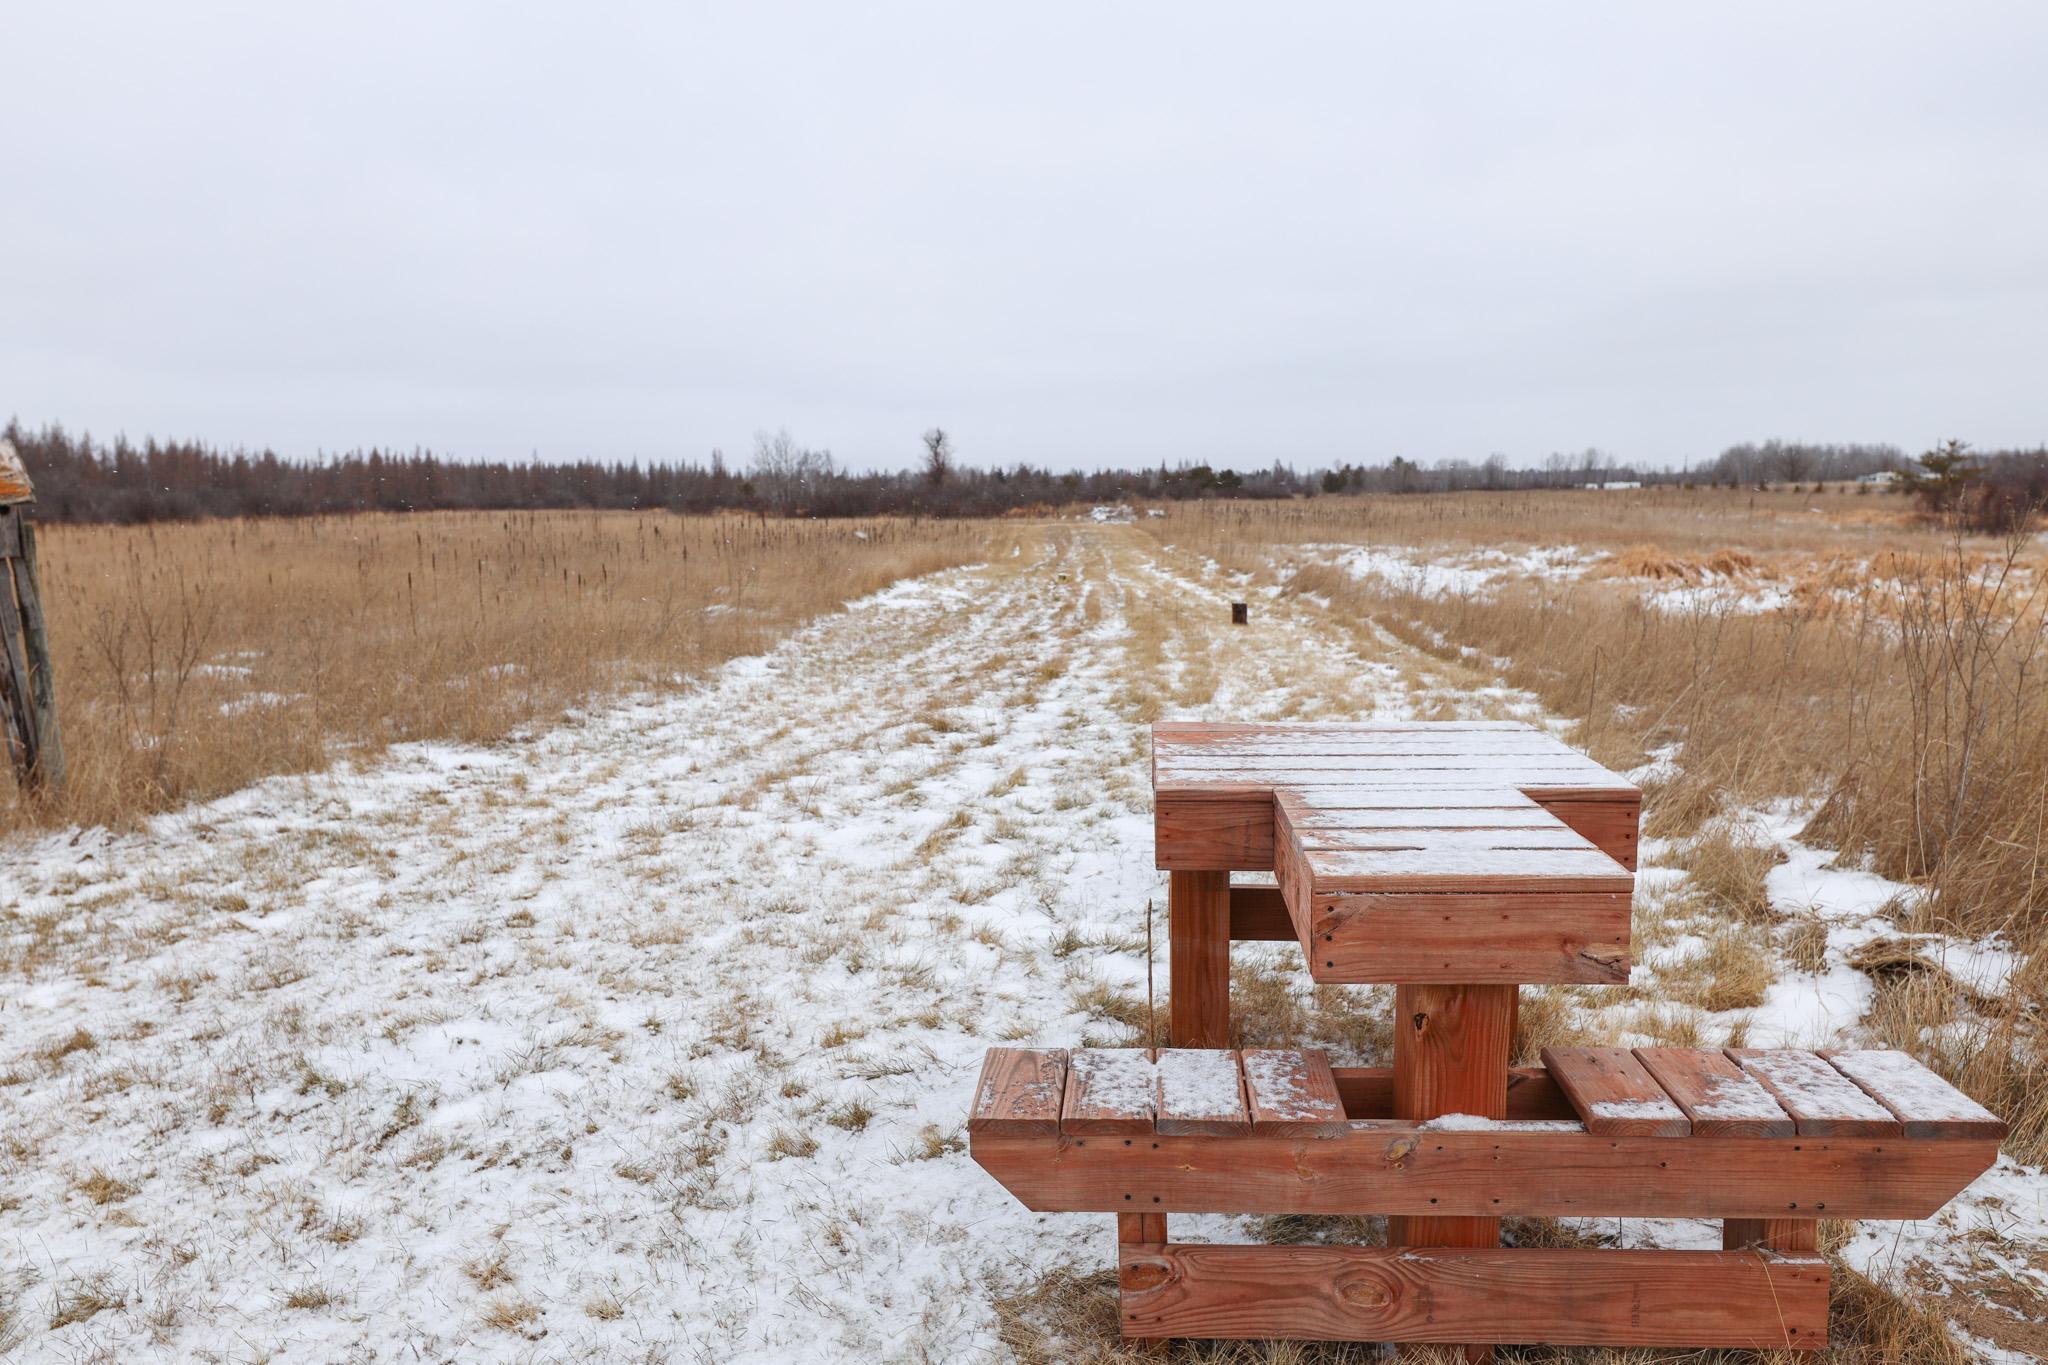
[650, 1037]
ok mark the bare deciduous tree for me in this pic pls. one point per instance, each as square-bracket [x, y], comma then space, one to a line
[938, 456]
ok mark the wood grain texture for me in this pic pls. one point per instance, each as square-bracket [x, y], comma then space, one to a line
[1141, 1228]
[1611, 825]
[1718, 1096]
[1451, 1048]
[1564, 1297]
[1927, 1105]
[46, 769]
[1198, 931]
[1019, 1093]
[1193, 833]
[1109, 1090]
[1491, 938]
[1821, 1100]
[1613, 1094]
[1404, 1169]
[1291, 1092]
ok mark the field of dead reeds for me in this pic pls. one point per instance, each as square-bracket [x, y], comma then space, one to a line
[194, 658]
[650, 1023]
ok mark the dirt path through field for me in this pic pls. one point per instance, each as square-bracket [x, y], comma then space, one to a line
[647, 1037]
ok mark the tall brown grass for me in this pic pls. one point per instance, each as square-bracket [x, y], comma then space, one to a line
[194, 658]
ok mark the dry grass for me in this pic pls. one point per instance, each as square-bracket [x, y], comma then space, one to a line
[193, 659]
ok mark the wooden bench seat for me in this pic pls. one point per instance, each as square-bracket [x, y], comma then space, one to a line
[1760, 1138]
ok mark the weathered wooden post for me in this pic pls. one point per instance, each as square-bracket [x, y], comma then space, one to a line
[28, 687]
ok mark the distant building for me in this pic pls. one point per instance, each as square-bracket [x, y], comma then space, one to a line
[1880, 478]
[1615, 483]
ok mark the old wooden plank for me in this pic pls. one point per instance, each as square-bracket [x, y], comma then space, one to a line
[1201, 1093]
[1821, 1100]
[1451, 1048]
[1109, 1091]
[1198, 970]
[1312, 820]
[1562, 1297]
[1613, 1094]
[1205, 834]
[1406, 1169]
[1475, 938]
[47, 770]
[1927, 1105]
[1019, 1093]
[1452, 841]
[1717, 1095]
[1612, 825]
[1503, 768]
[1290, 1092]
[1497, 869]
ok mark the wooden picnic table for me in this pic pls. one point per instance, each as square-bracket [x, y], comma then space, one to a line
[1456, 861]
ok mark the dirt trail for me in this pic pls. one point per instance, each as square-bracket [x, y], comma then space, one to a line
[647, 1037]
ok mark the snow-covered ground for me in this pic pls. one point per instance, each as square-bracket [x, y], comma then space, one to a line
[650, 1037]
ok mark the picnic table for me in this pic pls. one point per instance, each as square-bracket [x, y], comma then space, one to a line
[1457, 861]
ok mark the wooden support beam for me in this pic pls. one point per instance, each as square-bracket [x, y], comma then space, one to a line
[1408, 1169]
[1141, 1228]
[1198, 932]
[1564, 1297]
[1451, 1057]
[47, 775]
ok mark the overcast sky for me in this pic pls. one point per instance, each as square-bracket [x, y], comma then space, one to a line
[1098, 234]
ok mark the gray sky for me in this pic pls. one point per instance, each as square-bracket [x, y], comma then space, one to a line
[1073, 235]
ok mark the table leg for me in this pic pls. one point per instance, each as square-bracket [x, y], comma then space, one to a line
[1451, 1057]
[1198, 934]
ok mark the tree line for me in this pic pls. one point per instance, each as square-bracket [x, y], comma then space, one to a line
[80, 479]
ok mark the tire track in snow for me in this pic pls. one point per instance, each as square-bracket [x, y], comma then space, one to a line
[646, 1037]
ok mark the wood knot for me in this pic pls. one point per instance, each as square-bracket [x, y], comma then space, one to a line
[1148, 1273]
[1365, 1294]
[1398, 1150]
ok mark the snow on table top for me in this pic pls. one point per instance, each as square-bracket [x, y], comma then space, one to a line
[1658, 1108]
[1479, 1123]
[1275, 1077]
[1735, 1097]
[1915, 1091]
[1199, 1084]
[1813, 1089]
[1121, 1080]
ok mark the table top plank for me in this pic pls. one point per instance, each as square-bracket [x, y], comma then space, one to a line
[1821, 1100]
[1720, 1098]
[1613, 1093]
